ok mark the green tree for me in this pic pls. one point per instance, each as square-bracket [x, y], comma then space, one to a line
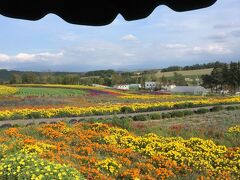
[179, 79]
[30, 78]
[116, 79]
[218, 79]
[15, 79]
[233, 76]
[208, 81]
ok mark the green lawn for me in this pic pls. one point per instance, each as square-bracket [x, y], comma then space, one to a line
[29, 91]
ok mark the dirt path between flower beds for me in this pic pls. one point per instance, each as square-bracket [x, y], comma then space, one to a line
[68, 119]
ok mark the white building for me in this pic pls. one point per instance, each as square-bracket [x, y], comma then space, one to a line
[188, 79]
[168, 87]
[122, 87]
[195, 90]
[99, 85]
[150, 85]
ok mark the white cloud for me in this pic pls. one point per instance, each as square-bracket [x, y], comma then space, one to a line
[214, 49]
[47, 55]
[4, 57]
[129, 37]
[104, 55]
[129, 55]
[175, 46]
[218, 49]
[25, 57]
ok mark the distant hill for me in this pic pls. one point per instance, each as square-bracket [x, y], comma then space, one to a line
[198, 72]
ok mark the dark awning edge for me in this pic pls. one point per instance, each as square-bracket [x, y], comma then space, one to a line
[93, 12]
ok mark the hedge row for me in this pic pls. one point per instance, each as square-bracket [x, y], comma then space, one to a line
[173, 114]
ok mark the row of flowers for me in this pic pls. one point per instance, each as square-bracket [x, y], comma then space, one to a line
[159, 97]
[27, 113]
[99, 151]
[5, 90]
[234, 130]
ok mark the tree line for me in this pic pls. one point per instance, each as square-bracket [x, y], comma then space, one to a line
[193, 67]
[109, 79]
[103, 78]
[224, 77]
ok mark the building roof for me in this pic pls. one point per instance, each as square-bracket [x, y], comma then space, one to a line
[188, 89]
[150, 82]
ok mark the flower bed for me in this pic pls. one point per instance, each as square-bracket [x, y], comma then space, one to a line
[99, 151]
[31, 113]
[5, 91]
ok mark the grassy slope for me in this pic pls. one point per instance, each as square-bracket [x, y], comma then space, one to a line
[198, 72]
[207, 126]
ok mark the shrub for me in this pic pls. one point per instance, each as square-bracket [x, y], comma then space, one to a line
[126, 109]
[5, 126]
[188, 112]
[231, 108]
[34, 115]
[157, 108]
[81, 120]
[202, 111]
[92, 120]
[155, 116]
[216, 108]
[183, 105]
[73, 121]
[177, 114]
[166, 115]
[18, 116]
[64, 114]
[140, 117]
[124, 123]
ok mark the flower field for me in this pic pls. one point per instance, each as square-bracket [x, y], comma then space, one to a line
[90, 150]
[5, 91]
[108, 91]
[100, 151]
[58, 92]
[28, 101]
[71, 111]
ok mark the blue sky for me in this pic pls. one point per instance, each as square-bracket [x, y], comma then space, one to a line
[163, 39]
